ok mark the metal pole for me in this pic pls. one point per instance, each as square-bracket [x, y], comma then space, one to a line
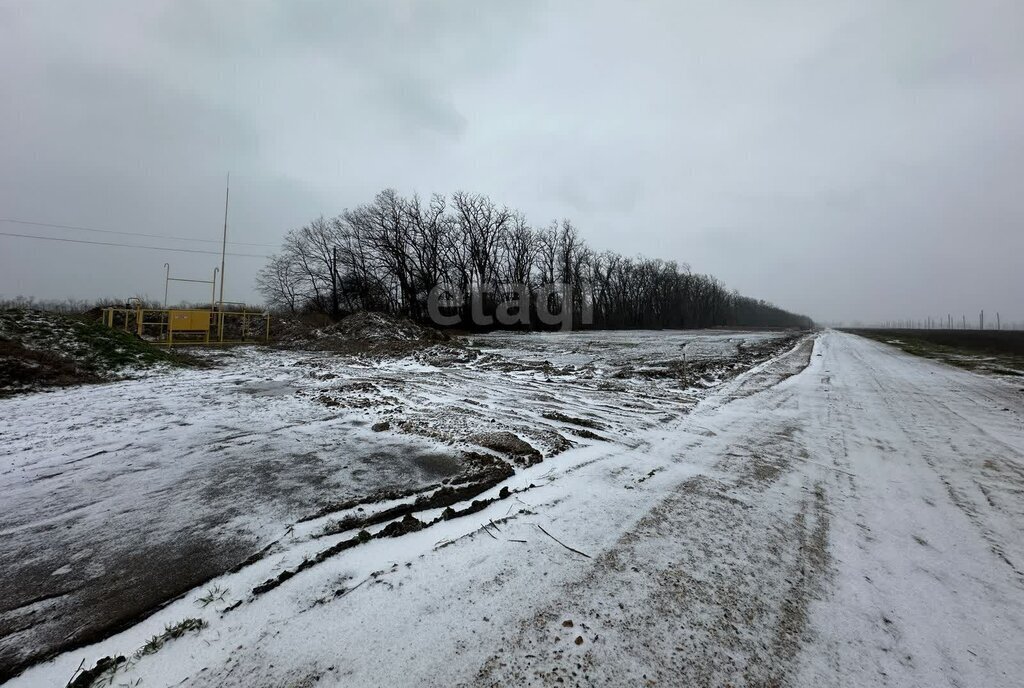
[167, 278]
[223, 250]
[213, 288]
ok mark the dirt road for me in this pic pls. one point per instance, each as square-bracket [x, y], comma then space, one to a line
[847, 516]
[861, 526]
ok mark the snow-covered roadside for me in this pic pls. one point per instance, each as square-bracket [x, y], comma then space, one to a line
[119, 497]
[613, 485]
[855, 524]
[859, 525]
[927, 502]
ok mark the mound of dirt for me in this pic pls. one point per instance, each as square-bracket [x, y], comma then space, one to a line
[295, 329]
[507, 443]
[364, 331]
[380, 327]
[38, 348]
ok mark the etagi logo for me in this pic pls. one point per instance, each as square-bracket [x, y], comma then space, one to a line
[553, 305]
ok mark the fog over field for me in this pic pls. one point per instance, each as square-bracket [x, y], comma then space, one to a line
[849, 160]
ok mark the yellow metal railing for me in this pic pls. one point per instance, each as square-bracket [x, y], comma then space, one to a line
[190, 326]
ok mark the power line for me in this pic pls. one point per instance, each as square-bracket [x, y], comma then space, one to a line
[111, 231]
[150, 248]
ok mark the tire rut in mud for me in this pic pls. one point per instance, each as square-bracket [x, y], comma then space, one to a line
[488, 473]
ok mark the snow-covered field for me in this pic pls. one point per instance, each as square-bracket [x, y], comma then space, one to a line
[118, 497]
[838, 515]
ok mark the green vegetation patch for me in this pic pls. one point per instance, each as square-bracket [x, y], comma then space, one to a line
[170, 632]
[39, 348]
[996, 352]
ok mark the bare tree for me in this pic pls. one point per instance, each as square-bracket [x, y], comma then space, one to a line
[388, 254]
[278, 284]
[481, 225]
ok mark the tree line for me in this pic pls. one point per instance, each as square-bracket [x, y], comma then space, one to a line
[476, 258]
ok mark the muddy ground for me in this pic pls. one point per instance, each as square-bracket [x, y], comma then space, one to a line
[86, 560]
[841, 515]
[122, 497]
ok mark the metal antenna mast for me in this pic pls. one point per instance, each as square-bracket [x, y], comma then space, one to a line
[224, 243]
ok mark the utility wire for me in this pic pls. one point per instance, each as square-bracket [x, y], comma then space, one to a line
[111, 231]
[150, 248]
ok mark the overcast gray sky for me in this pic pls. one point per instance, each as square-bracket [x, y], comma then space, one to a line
[846, 159]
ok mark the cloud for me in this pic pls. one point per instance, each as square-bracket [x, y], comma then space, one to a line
[847, 159]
